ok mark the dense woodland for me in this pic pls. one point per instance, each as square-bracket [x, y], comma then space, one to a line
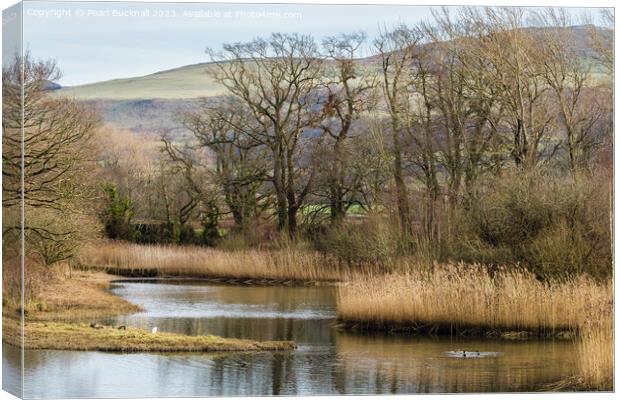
[483, 136]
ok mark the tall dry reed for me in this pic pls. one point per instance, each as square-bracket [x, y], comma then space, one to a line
[200, 262]
[596, 351]
[467, 296]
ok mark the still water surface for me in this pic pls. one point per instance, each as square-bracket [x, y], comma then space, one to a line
[327, 361]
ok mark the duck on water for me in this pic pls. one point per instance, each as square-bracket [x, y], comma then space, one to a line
[472, 354]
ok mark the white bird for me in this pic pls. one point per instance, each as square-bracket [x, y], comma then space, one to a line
[154, 330]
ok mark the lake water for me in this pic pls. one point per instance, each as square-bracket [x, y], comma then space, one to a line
[327, 361]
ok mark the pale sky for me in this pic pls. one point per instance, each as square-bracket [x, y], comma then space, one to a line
[96, 41]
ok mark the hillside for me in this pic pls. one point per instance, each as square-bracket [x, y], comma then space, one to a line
[144, 115]
[186, 82]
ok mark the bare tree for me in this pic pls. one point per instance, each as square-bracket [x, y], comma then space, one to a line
[240, 163]
[54, 134]
[421, 130]
[568, 77]
[468, 110]
[47, 144]
[185, 187]
[276, 79]
[396, 51]
[511, 51]
[350, 91]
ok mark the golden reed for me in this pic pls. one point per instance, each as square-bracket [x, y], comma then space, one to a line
[453, 297]
[201, 262]
[462, 297]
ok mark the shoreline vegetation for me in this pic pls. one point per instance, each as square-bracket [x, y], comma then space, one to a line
[464, 299]
[459, 298]
[455, 299]
[74, 297]
[278, 266]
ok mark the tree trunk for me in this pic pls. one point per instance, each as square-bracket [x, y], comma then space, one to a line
[278, 183]
[401, 189]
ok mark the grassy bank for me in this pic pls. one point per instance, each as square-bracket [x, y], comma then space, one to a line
[83, 295]
[61, 336]
[68, 295]
[200, 262]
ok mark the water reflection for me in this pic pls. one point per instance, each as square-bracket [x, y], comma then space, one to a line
[326, 362]
[11, 370]
[228, 301]
[303, 314]
[421, 365]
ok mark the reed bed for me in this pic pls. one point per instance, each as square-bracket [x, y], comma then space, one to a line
[596, 354]
[458, 298]
[199, 262]
[452, 298]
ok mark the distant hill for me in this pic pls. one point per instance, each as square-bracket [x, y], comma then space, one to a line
[151, 103]
[156, 102]
[51, 86]
[188, 82]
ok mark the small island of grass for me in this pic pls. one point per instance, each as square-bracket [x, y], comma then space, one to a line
[62, 336]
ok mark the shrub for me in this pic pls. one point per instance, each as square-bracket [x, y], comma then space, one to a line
[233, 241]
[556, 225]
[117, 214]
[372, 241]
